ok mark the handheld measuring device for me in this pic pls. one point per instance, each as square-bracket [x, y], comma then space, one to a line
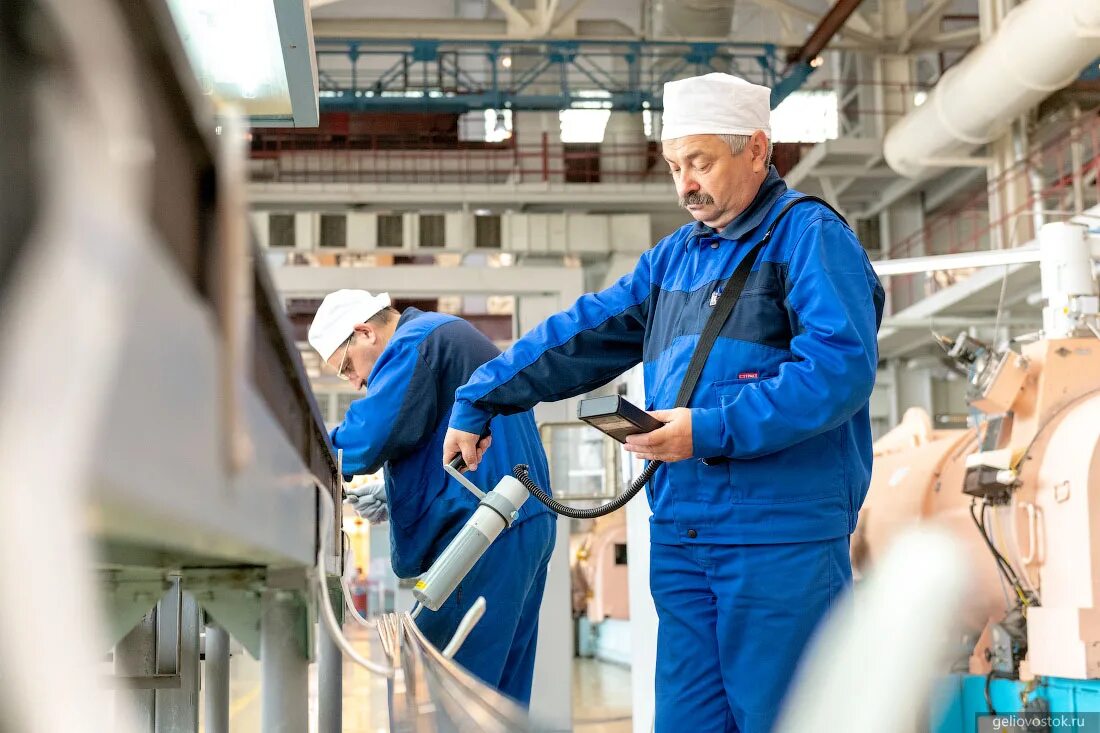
[616, 417]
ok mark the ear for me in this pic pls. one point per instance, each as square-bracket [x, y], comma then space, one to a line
[758, 144]
[369, 331]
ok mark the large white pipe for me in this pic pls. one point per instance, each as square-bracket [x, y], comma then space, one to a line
[1041, 46]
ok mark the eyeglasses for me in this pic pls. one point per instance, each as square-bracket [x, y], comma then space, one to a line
[342, 371]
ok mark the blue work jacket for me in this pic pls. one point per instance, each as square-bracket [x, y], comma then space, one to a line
[784, 395]
[400, 424]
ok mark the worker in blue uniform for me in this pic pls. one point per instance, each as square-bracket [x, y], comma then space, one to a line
[411, 364]
[749, 549]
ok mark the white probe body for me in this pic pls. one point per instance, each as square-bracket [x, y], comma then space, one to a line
[497, 510]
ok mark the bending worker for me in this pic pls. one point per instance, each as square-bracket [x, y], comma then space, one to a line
[411, 363]
[749, 548]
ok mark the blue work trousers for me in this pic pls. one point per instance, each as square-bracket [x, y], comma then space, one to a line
[733, 623]
[512, 576]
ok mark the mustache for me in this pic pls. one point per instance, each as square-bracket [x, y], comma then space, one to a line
[696, 198]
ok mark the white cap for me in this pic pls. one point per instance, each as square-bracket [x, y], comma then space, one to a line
[715, 104]
[339, 314]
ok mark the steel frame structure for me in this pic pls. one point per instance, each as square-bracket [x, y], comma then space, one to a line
[460, 75]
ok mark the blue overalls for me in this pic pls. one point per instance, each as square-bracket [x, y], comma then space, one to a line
[747, 554]
[400, 424]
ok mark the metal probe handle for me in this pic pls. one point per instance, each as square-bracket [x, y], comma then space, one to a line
[454, 469]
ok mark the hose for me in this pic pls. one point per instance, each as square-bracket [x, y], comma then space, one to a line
[521, 474]
[328, 616]
[362, 620]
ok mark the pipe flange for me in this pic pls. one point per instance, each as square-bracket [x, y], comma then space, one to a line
[1007, 63]
[501, 506]
[950, 126]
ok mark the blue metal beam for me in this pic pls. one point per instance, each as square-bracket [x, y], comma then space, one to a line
[464, 75]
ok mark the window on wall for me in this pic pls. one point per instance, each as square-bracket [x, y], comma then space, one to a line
[432, 230]
[487, 232]
[343, 402]
[391, 231]
[586, 120]
[334, 230]
[806, 117]
[280, 231]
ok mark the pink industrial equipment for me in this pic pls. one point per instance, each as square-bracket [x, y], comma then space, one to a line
[1022, 487]
[600, 569]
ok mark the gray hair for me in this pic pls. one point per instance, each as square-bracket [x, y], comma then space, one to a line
[383, 316]
[738, 143]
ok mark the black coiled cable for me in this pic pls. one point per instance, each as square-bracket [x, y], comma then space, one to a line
[521, 474]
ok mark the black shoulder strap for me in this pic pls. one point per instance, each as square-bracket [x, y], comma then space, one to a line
[728, 300]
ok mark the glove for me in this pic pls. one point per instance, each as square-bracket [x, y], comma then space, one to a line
[369, 501]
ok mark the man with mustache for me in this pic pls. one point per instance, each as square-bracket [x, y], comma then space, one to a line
[769, 461]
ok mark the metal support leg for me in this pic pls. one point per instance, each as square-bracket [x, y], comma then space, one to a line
[284, 676]
[179, 620]
[216, 699]
[136, 656]
[330, 684]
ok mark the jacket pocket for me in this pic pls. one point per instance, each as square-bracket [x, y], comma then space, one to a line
[409, 494]
[807, 471]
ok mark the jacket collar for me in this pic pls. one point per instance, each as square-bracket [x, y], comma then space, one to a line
[407, 315]
[770, 190]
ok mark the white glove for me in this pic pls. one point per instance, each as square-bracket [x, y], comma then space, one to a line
[369, 501]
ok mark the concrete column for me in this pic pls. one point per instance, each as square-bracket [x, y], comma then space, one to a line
[623, 152]
[886, 243]
[552, 686]
[643, 614]
[899, 222]
[949, 397]
[1008, 189]
[914, 388]
[538, 140]
[893, 73]
[216, 699]
[284, 673]
[552, 689]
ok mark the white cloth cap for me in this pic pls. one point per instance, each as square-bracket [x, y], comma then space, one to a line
[339, 314]
[715, 104]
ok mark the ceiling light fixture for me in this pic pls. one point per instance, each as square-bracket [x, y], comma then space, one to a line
[257, 54]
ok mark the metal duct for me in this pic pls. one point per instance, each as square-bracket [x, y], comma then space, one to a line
[1041, 46]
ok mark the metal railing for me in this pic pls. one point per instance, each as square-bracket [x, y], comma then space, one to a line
[433, 694]
[374, 160]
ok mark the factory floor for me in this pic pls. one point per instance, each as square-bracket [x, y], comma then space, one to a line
[601, 696]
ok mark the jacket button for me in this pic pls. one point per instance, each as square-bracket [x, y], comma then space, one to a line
[692, 533]
[714, 245]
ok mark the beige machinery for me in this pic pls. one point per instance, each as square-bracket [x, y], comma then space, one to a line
[1021, 488]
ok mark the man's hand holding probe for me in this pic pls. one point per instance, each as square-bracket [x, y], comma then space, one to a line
[467, 444]
[668, 444]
